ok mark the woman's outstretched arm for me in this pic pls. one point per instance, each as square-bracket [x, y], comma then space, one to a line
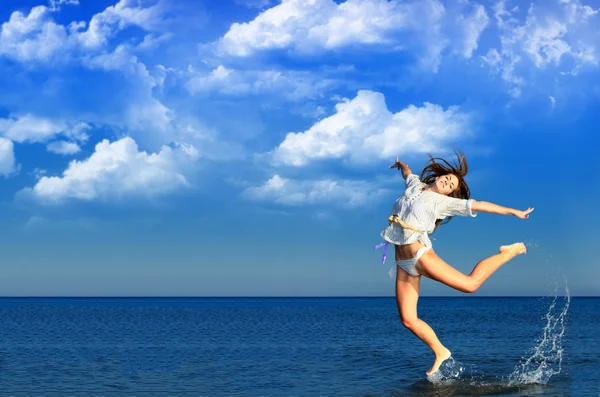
[492, 208]
[406, 171]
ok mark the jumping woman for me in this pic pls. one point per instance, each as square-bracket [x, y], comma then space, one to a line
[429, 201]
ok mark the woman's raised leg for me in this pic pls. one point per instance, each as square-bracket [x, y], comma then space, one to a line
[434, 267]
[407, 296]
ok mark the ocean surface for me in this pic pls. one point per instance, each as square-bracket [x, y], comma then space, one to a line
[547, 346]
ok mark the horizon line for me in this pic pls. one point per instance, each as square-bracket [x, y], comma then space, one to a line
[282, 296]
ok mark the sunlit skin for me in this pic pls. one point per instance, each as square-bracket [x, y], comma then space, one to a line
[432, 266]
[444, 184]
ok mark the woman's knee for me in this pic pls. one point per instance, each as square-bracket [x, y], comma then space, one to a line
[472, 285]
[408, 321]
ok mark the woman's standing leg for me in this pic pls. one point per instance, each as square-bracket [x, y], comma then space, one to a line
[407, 296]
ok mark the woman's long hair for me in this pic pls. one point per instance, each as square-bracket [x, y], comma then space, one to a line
[437, 167]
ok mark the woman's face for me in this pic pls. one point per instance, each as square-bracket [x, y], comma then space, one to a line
[446, 184]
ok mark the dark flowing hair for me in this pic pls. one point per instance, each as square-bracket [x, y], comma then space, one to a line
[438, 167]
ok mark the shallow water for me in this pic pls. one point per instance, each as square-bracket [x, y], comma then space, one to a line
[297, 347]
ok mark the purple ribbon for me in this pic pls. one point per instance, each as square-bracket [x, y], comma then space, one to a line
[384, 250]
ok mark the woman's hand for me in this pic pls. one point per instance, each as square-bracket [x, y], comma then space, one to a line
[398, 164]
[523, 214]
[402, 167]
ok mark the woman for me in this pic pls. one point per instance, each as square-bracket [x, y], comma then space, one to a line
[428, 202]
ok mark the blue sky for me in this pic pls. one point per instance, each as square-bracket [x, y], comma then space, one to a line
[240, 148]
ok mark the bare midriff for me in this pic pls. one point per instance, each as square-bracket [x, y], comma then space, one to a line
[407, 251]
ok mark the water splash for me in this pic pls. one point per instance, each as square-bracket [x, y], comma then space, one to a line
[455, 378]
[452, 371]
[546, 357]
[528, 378]
[449, 371]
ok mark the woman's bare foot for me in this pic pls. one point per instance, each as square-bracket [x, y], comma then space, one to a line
[440, 357]
[514, 249]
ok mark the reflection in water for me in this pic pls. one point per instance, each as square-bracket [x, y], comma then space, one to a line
[472, 387]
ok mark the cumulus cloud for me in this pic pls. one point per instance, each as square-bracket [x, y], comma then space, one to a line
[117, 170]
[142, 112]
[347, 193]
[149, 115]
[122, 60]
[317, 23]
[37, 37]
[34, 37]
[115, 18]
[364, 130]
[8, 164]
[321, 25]
[63, 147]
[544, 39]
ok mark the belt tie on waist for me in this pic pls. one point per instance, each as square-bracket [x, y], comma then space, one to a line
[396, 219]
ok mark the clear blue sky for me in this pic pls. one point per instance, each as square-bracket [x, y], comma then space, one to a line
[241, 148]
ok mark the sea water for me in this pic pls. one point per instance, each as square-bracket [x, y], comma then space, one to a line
[297, 347]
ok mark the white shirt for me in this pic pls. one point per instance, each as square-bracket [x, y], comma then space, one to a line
[420, 209]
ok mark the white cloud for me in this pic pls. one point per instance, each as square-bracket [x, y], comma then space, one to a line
[78, 132]
[56, 4]
[469, 28]
[30, 129]
[33, 37]
[364, 130]
[113, 19]
[8, 165]
[546, 37]
[106, 62]
[149, 115]
[544, 42]
[34, 129]
[575, 12]
[36, 37]
[38, 172]
[505, 65]
[232, 82]
[63, 147]
[346, 193]
[122, 60]
[320, 25]
[151, 41]
[161, 73]
[456, 28]
[142, 113]
[117, 170]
